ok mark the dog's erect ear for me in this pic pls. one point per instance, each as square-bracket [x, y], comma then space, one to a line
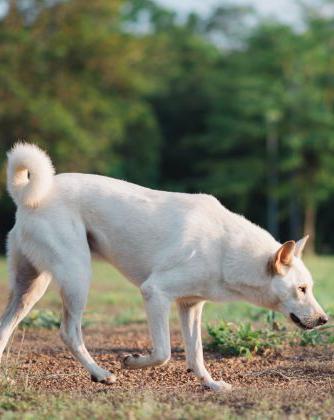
[283, 257]
[300, 245]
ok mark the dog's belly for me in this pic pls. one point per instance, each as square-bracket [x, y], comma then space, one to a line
[127, 262]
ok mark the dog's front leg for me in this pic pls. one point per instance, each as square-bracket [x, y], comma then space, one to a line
[157, 307]
[190, 316]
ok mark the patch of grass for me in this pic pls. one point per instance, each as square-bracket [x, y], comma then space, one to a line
[232, 339]
[322, 336]
[241, 340]
[41, 318]
[270, 403]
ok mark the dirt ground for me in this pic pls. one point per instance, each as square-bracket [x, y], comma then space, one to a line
[287, 380]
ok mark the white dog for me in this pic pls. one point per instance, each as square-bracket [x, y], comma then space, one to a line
[183, 248]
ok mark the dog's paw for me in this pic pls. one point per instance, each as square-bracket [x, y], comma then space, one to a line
[128, 361]
[108, 378]
[124, 360]
[218, 386]
[111, 379]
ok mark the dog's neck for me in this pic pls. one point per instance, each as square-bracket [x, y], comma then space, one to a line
[253, 285]
[246, 251]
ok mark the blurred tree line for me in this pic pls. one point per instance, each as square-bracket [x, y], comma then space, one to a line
[230, 105]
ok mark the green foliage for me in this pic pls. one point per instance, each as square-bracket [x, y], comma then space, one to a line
[323, 335]
[44, 318]
[39, 318]
[242, 340]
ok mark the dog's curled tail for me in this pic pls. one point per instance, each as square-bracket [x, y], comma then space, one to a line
[29, 174]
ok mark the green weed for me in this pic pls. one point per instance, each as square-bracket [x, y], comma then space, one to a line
[243, 340]
[319, 336]
[43, 318]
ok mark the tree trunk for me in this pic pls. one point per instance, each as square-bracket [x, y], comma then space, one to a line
[295, 223]
[309, 226]
[13, 19]
[272, 182]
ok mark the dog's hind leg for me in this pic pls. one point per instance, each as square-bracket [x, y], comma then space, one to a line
[190, 317]
[28, 286]
[74, 292]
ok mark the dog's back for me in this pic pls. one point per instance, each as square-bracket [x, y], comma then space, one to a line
[124, 222]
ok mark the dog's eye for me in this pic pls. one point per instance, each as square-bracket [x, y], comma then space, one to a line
[302, 289]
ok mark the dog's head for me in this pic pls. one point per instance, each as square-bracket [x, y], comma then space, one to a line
[291, 287]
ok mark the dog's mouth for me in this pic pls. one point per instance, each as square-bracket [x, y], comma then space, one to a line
[298, 322]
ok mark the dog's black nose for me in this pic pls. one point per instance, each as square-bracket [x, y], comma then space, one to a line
[322, 320]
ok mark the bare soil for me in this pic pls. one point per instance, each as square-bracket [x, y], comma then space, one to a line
[47, 365]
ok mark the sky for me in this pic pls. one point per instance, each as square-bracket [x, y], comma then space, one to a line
[284, 10]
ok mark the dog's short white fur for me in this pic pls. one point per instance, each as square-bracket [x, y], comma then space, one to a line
[183, 248]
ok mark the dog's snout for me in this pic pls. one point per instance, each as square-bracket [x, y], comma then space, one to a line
[297, 321]
[322, 320]
[295, 318]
